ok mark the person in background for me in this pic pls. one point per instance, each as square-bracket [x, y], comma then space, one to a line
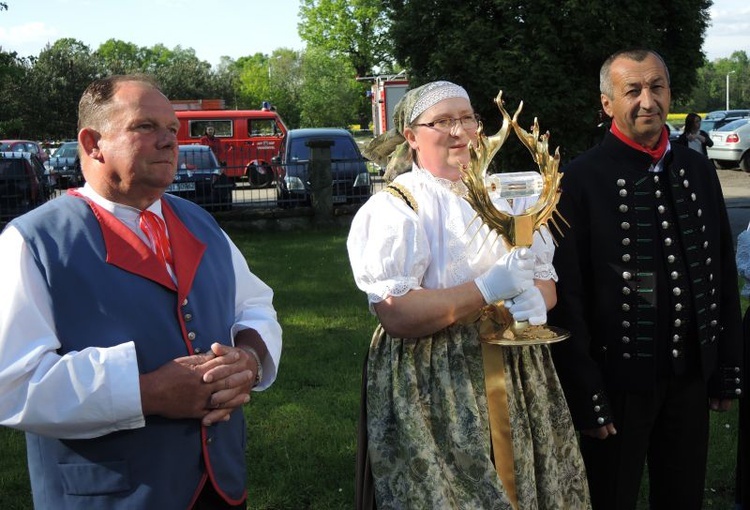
[692, 136]
[648, 289]
[449, 420]
[132, 330]
[742, 481]
[209, 138]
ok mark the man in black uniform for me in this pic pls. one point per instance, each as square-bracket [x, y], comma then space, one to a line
[648, 289]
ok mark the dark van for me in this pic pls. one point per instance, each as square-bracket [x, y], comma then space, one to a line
[247, 140]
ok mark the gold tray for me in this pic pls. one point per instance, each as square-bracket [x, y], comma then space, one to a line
[552, 335]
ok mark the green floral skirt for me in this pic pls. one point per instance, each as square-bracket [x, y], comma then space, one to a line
[428, 434]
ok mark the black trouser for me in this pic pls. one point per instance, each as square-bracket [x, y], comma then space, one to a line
[668, 428]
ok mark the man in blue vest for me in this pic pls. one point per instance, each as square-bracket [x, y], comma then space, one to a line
[132, 330]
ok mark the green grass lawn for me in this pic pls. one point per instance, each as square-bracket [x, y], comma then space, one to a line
[302, 431]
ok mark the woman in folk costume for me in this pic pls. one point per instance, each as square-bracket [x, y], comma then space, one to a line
[452, 422]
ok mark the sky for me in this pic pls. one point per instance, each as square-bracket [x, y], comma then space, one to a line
[233, 28]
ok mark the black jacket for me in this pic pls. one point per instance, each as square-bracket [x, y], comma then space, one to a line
[647, 277]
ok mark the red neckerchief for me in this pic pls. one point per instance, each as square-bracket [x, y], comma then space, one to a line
[656, 153]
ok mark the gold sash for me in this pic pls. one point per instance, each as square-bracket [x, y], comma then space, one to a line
[493, 320]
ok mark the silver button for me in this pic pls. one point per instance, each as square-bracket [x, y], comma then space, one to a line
[191, 336]
[686, 183]
[676, 338]
[626, 355]
[626, 275]
[625, 324]
[595, 398]
[677, 323]
[188, 317]
[713, 306]
[623, 193]
[623, 208]
[711, 277]
[197, 350]
[677, 291]
[693, 197]
[626, 257]
[703, 228]
[600, 421]
[626, 291]
[675, 353]
[670, 259]
[209, 440]
[705, 244]
[657, 194]
[626, 242]
[668, 241]
[656, 178]
[597, 409]
[626, 339]
[678, 307]
[700, 213]
[665, 225]
[625, 225]
[184, 302]
[621, 182]
[661, 209]
[714, 323]
[682, 172]
[675, 275]
[625, 307]
[738, 392]
[708, 261]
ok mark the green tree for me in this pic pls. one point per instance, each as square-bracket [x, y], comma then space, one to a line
[56, 81]
[329, 97]
[357, 29]
[544, 52]
[13, 95]
[120, 57]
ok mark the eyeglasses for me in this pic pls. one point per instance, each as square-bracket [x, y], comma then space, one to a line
[447, 125]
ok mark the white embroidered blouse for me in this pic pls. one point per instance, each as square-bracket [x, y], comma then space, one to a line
[394, 249]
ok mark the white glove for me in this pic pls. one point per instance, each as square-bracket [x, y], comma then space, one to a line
[529, 305]
[510, 276]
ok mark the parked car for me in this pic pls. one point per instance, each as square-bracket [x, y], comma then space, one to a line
[350, 177]
[24, 146]
[63, 168]
[674, 132]
[731, 145]
[22, 183]
[718, 118]
[201, 179]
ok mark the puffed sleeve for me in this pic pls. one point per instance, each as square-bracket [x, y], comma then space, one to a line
[388, 248]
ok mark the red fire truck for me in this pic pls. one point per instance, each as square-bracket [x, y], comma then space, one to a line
[385, 93]
[247, 139]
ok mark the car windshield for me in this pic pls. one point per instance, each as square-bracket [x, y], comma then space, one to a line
[341, 149]
[195, 160]
[66, 151]
[731, 126]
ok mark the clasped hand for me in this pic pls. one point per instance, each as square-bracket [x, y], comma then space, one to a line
[206, 386]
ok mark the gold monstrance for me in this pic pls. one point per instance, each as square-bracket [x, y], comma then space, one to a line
[516, 230]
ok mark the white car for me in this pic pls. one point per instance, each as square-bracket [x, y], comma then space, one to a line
[731, 145]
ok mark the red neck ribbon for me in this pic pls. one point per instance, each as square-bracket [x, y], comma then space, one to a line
[656, 153]
[156, 230]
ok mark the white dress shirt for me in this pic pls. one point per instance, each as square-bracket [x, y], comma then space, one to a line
[93, 392]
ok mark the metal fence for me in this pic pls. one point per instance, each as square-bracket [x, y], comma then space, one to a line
[247, 199]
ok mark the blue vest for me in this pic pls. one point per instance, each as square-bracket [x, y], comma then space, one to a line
[97, 300]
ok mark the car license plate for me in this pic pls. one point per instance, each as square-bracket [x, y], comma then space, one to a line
[181, 186]
[717, 138]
